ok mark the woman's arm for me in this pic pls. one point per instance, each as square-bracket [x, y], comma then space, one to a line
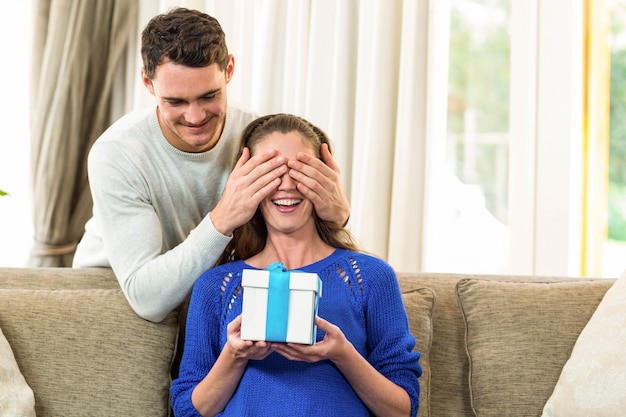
[215, 391]
[213, 362]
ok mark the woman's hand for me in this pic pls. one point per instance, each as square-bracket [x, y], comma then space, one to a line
[244, 349]
[332, 347]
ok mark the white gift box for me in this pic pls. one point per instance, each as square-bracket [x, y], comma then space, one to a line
[280, 305]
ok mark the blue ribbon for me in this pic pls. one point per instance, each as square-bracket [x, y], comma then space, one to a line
[277, 303]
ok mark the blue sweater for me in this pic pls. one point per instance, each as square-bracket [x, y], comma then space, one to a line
[360, 294]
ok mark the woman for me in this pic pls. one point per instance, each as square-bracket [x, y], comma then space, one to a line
[361, 362]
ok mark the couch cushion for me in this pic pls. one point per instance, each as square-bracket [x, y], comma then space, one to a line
[16, 397]
[518, 336]
[593, 381]
[86, 353]
[419, 304]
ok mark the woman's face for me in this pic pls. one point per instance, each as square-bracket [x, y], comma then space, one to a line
[286, 211]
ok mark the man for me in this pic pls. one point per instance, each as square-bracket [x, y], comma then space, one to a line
[165, 200]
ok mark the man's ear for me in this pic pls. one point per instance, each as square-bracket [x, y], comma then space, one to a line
[230, 68]
[147, 82]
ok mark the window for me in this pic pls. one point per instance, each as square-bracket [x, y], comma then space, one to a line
[478, 132]
[614, 254]
[528, 158]
[515, 143]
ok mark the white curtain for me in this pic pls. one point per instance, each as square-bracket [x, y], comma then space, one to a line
[77, 47]
[362, 71]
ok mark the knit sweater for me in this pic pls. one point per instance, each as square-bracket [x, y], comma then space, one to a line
[150, 209]
[361, 296]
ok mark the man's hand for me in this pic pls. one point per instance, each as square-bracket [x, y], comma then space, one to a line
[320, 182]
[251, 181]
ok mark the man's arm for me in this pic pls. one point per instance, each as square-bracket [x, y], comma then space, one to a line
[132, 232]
[156, 282]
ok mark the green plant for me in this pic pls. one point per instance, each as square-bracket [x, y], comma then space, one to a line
[617, 212]
[3, 193]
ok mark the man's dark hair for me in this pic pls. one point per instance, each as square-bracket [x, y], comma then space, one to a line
[185, 37]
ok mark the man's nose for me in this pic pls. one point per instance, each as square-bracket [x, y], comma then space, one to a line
[195, 114]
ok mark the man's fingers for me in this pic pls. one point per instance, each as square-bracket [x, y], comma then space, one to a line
[266, 190]
[313, 183]
[310, 166]
[245, 156]
[328, 159]
[262, 163]
[252, 179]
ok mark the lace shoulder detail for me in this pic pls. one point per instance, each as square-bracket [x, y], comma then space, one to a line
[352, 278]
[232, 295]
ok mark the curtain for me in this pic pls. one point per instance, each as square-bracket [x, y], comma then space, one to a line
[359, 70]
[77, 49]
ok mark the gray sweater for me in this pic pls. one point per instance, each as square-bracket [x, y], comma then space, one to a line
[150, 209]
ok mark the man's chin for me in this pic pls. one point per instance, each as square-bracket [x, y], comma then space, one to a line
[201, 144]
[202, 140]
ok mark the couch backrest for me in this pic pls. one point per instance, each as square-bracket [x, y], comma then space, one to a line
[449, 395]
[448, 359]
[83, 351]
[80, 347]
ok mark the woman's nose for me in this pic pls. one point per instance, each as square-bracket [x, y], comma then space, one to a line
[286, 182]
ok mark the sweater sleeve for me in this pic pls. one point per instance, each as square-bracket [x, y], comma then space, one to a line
[390, 342]
[154, 282]
[202, 344]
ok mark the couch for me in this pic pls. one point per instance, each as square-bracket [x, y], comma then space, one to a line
[494, 344]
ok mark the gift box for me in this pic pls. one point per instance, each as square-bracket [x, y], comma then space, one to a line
[280, 305]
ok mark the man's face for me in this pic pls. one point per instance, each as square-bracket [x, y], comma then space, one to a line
[191, 103]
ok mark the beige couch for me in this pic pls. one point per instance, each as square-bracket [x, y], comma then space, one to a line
[84, 352]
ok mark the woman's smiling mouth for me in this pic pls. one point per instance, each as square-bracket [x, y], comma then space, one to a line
[287, 202]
